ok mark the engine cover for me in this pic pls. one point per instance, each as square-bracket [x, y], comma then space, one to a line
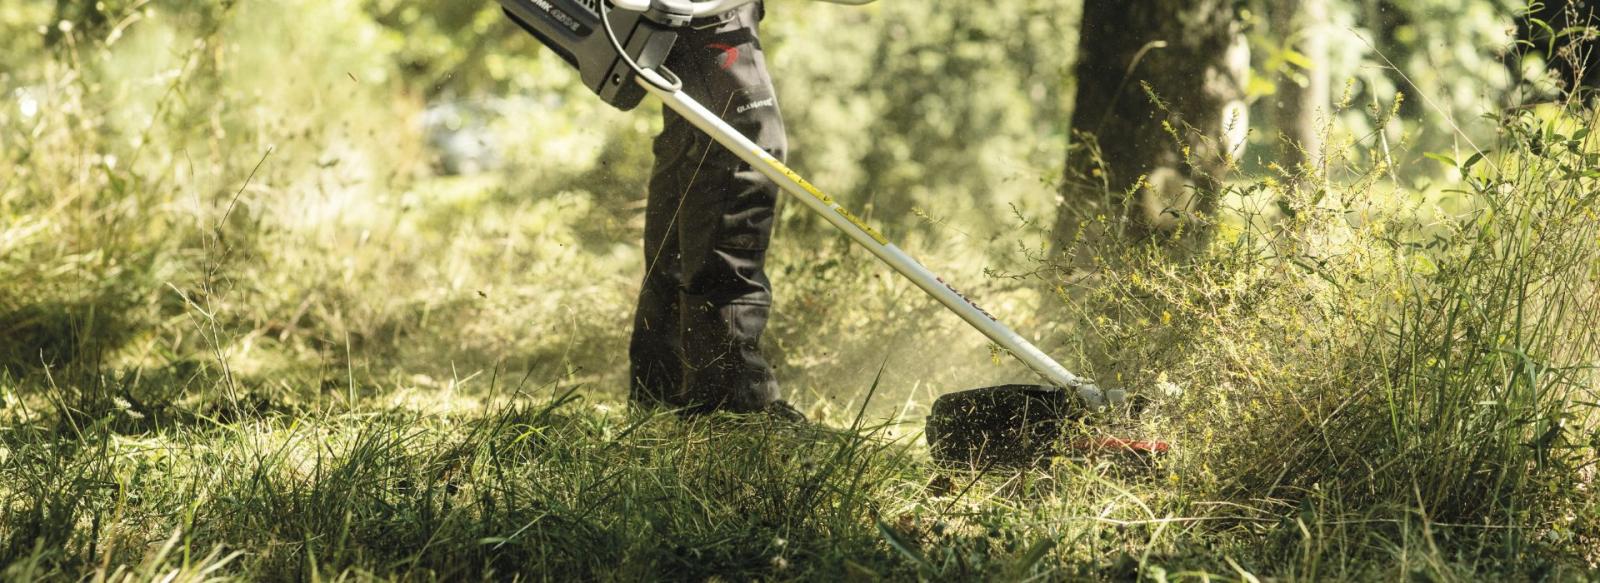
[573, 29]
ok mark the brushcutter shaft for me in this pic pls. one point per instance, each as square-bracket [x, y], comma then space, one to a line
[874, 242]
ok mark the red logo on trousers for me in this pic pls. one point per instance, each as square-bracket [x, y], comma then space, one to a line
[730, 54]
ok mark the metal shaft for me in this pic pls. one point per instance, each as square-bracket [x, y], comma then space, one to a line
[874, 241]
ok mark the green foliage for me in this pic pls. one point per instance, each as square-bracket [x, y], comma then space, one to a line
[926, 107]
[1449, 58]
[1347, 357]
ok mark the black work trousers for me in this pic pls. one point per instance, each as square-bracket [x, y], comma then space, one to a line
[705, 301]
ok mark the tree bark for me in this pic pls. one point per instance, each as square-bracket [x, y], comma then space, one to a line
[1148, 165]
[1301, 93]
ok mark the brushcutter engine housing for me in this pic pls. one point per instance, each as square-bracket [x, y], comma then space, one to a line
[575, 30]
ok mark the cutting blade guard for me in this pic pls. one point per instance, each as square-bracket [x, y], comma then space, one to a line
[574, 30]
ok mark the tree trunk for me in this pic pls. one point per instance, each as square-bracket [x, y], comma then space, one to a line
[1302, 92]
[1148, 166]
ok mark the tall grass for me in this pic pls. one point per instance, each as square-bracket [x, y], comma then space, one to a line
[1408, 362]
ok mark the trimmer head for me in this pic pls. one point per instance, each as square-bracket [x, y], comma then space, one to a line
[1018, 425]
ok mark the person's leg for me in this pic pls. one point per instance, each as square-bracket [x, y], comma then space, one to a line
[722, 210]
[655, 352]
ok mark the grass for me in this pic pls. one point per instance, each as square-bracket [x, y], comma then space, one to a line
[562, 489]
[235, 344]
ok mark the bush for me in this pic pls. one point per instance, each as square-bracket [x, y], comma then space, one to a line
[1354, 351]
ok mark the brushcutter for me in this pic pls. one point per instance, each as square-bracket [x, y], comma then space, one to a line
[619, 47]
